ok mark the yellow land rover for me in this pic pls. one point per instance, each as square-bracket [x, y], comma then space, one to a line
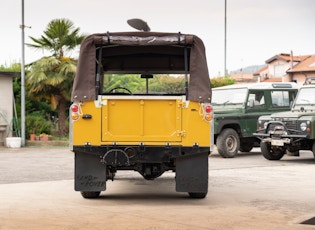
[147, 131]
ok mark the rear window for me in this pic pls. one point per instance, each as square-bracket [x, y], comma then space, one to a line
[280, 98]
[169, 84]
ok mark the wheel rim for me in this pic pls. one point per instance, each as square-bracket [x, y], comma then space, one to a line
[230, 143]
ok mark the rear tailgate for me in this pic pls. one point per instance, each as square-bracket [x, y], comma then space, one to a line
[141, 118]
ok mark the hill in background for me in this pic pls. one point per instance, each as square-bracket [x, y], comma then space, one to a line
[248, 69]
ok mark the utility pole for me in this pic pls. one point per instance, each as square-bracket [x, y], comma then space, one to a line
[23, 80]
[225, 70]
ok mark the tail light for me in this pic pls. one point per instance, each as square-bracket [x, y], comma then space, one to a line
[208, 109]
[75, 114]
[75, 108]
[208, 112]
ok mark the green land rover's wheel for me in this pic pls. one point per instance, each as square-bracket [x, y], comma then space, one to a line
[313, 149]
[228, 143]
[269, 153]
[197, 195]
[90, 195]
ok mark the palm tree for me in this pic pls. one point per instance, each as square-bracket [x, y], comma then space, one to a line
[60, 36]
[51, 77]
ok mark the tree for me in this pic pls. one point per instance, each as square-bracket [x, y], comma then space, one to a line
[221, 81]
[51, 77]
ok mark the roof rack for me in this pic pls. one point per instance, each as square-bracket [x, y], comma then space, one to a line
[309, 81]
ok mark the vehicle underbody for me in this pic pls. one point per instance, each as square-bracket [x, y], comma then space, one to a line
[94, 165]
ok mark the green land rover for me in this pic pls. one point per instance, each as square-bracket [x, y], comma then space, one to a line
[288, 132]
[237, 108]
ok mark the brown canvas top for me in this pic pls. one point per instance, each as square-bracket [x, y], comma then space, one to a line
[142, 52]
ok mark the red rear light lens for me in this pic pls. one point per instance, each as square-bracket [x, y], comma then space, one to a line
[75, 108]
[208, 109]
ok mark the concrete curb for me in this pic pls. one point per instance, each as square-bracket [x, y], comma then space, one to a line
[46, 143]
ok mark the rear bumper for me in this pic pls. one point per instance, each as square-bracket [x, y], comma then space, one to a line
[140, 153]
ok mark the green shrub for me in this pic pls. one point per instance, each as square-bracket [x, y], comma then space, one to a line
[221, 81]
[37, 125]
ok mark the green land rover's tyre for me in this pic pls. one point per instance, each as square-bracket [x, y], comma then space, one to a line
[228, 143]
[197, 195]
[313, 149]
[90, 195]
[269, 153]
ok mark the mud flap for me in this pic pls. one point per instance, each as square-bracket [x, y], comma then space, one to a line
[90, 173]
[192, 173]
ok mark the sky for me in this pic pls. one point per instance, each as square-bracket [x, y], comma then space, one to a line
[256, 30]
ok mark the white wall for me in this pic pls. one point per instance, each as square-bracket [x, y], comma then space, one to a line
[6, 106]
[278, 68]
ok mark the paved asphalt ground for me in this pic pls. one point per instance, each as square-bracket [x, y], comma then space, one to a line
[246, 192]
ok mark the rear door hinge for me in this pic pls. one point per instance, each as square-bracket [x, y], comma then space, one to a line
[181, 133]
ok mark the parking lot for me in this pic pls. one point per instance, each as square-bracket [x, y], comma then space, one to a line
[245, 192]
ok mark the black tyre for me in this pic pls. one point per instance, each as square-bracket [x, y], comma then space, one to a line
[246, 147]
[197, 195]
[313, 149]
[269, 153]
[228, 143]
[90, 195]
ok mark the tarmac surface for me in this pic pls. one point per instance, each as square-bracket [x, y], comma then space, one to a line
[245, 192]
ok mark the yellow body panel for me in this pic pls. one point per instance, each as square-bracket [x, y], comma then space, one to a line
[149, 120]
[197, 130]
[87, 130]
[139, 120]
